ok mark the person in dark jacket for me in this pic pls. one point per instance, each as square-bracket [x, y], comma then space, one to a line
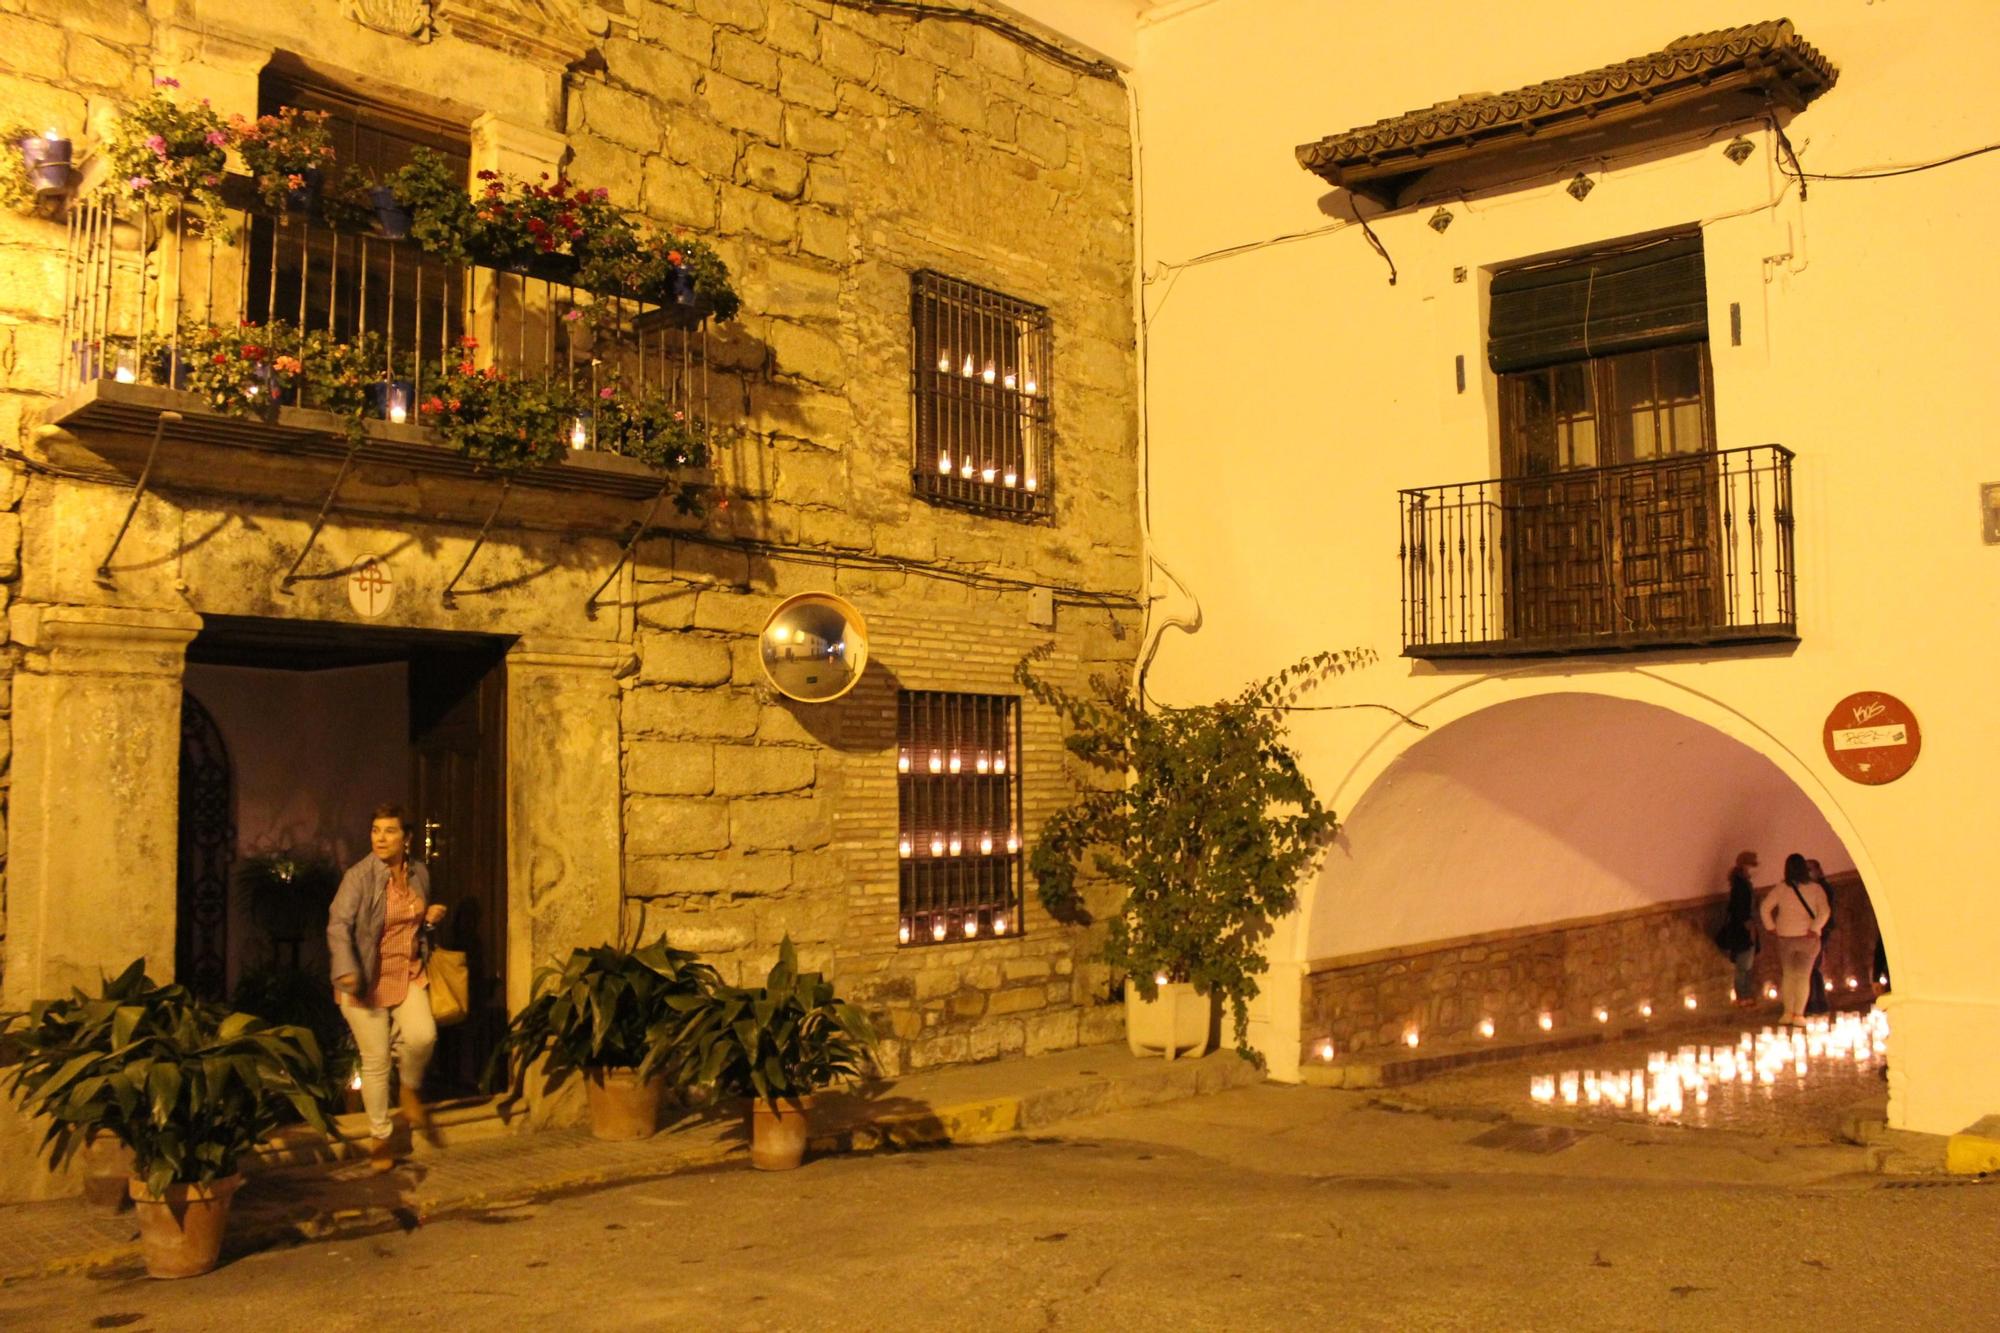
[378, 934]
[1738, 936]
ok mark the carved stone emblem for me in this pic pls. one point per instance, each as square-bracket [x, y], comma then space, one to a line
[398, 18]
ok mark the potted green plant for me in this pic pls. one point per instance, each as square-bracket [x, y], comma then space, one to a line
[162, 149]
[603, 1013]
[188, 1087]
[1203, 835]
[777, 1044]
[288, 155]
[426, 200]
[501, 419]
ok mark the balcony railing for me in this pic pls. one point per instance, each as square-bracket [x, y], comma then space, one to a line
[1686, 550]
[145, 287]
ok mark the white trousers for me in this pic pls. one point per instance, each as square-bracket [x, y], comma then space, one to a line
[406, 1032]
[1795, 957]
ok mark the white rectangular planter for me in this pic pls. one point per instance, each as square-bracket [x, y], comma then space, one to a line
[1176, 1024]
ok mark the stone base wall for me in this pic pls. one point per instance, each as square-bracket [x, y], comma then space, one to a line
[1657, 955]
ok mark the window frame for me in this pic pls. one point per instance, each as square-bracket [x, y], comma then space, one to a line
[959, 853]
[981, 398]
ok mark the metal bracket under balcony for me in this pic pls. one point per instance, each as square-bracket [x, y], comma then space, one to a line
[1690, 550]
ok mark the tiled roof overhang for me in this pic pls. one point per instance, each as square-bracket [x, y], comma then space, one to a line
[1739, 72]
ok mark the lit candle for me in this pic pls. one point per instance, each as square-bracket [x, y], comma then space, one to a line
[1770, 992]
[937, 846]
[1008, 478]
[965, 469]
[954, 764]
[944, 363]
[1029, 386]
[1645, 1011]
[903, 933]
[982, 763]
[999, 763]
[1326, 1050]
[1569, 1087]
[986, 844]
[971, 926]
[937, 931]
[986, 474]
[988, 374]
[944, 462]
[969, 371]
[999, 925]
[903, 847]
[579, 434]
[1029, 484]
[1546, 1022]
[956, 845]
[1410, 1038]
[1008, 380]
[1159, 978]
[902, 761]
[937, 762]
[1013, 844]
[354, 1084]
[1853, 983]
[399, 405]
[1691, 1002]
[1604, 1015]
[1485, 1027]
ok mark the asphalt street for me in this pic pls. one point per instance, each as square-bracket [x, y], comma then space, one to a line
[1264, 1208]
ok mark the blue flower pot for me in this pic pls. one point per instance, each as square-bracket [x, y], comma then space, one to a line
[390, 213]
[305, 199]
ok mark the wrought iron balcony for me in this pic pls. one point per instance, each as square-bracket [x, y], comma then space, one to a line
[1686, 550]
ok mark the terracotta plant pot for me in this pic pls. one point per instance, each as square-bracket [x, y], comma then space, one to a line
[622, 1107]
[181, 1235]
[1174, 1025]
[778, 1133]
[107, 1171]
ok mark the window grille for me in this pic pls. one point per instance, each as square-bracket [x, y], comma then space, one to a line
[979, 378]
[958, 839]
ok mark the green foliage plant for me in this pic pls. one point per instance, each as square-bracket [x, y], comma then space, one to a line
[1203, 823]
[602, 1008]
[281, 150]
[188, 1086]
[782, 1040]
[441, 216]
[495, 417]
[17, 192]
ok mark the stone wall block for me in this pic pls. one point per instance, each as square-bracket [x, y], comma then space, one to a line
[1042, 139]
[698, 879]
[807, 354]
[775, 171]
[1019, 1000]
[120, 22]
[780, 822]
[751, 213]
[805, 84]
[731, 612]
[677, 768]
[709, 148]
[828, 185]
[752, 110]
[847, 53]
[747, 59]
[959, 102]
[655, 72]
[1056, 1030]
[680, 32]
[620, 116]
[814, 135]
[793, 29]
[761, 770]
[711, 931]
[667, 825]
[682, 659]
[99, 63]
[679, 195]
[999, 55]
[748, 15]
[905, 78]
[34, 46]
[705, 714]
[824, 235]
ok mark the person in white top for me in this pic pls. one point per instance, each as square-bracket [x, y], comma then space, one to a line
[1796, 911]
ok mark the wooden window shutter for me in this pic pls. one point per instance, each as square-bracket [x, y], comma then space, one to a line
[1629, 300]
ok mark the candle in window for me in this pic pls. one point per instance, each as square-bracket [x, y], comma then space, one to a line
[937, 762]
[965, 469]
[1013, 844]
[982, 763]
[989, 375]
[1028, 385]
[125, 369]
[999, 925]
[944, 462]
[999, 763]
[1007, 478]
[957, 845]
[971, 926]
[937, 931]
[903, 933]
[937, 846]
[969, 371]
[1485, 1027]
[944, 362]
[986, 844]
[902, 761]
[1546, 1022]
[987, 474]
[954, 764]
[903, 847]
[1008, 380]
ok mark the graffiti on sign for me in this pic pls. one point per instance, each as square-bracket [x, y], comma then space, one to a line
[1872, 737]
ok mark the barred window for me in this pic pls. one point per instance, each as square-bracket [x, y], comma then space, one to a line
[958, 837]
[979, 382]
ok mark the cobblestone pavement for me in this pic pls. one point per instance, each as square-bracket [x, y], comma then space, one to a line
[1808, 1109]
[1261, 1208]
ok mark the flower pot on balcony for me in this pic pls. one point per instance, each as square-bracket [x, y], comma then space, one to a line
[180, 1235]
[392, 215]
[1176, 1024]
[555, 268]
[302, 200]
[164, 368]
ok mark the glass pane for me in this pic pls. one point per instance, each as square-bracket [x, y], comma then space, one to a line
[1679, 374]
[1576, 416]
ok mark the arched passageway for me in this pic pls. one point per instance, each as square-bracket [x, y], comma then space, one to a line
[1561, 854]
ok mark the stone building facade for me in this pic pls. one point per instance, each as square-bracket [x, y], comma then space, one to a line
[652, 779]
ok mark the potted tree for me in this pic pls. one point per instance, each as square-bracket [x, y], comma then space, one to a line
[1203, 833]
[603, 1013]
[777, 1044]
[188, 1087]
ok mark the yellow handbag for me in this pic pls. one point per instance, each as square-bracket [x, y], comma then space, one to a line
[451, 986]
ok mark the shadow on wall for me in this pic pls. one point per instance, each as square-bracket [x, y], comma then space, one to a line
[1552, 808]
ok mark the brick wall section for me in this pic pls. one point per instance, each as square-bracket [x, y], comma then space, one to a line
[1657, 954]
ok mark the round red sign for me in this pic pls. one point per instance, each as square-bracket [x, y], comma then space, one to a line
[1872, 737]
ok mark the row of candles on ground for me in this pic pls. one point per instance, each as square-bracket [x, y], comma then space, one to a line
[940, 931]
[942, 761]
[942, 844]
[990, 374]
[1669, 1082]
[1412, 1037]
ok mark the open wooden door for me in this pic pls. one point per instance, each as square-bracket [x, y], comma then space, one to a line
[458, 783]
